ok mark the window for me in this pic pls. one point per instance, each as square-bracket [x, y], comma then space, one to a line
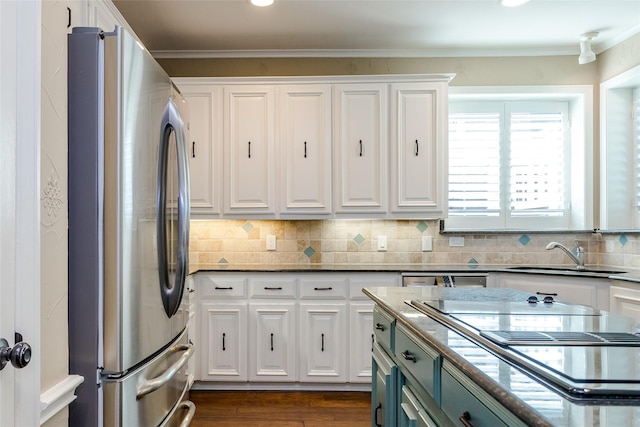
[620, 152]
[518, 162]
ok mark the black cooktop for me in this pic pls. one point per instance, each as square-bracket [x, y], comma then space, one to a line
[584, 353]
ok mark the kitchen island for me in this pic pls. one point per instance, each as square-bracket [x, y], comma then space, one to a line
[439, 367]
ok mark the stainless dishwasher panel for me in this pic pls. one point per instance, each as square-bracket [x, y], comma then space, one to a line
[444, 279]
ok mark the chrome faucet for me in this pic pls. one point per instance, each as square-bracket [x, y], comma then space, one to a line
[579, 260]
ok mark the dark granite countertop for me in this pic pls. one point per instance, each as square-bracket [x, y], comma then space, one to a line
[617, 273]
[530, 400]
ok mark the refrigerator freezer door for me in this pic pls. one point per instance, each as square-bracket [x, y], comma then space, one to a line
[149, 395]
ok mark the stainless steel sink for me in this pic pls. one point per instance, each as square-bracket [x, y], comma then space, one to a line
[563, 269]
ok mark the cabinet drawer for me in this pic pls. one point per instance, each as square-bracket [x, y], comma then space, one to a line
[470, 402]
[412, 414]
[223, 286]
[421, 362]
[276, 287]
[383, 329]
[329, 288]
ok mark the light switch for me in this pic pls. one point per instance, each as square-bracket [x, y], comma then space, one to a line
[427, 244]
[382, 243]
[271, 242]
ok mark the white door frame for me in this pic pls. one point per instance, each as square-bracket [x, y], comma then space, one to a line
[20, 182]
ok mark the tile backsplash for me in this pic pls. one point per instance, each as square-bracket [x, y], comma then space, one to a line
[356, 242]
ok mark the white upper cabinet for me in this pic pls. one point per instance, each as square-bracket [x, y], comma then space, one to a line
[360, 148]
[305, 149]
[249, 150]
[205, 166]
[318, 147]
[419, 148]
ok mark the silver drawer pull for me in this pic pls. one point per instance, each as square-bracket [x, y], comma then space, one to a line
[465, 419]
[408, 356]
[380, 326]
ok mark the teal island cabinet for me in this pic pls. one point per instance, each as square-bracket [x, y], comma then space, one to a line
[447, 368]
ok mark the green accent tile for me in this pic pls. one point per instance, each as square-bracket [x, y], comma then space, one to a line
[223, 261]
[359, 239]
[524, 240]
[309, 252]
[472, 261]
[422, 226]
[247, 227]
[623, 240]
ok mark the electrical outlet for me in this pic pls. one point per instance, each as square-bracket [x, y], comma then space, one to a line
[456, 241]
[271, 242]
[427, 244]
[382, 243]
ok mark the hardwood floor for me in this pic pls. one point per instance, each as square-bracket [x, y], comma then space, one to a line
[281, 409]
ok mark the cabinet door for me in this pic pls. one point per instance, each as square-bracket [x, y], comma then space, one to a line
[205, 135]
[361, 340]
[249, 150]
[625, 301]
[223, 349]
[360, 138]
[323, 342]
[273, 338]
[305, 145]
[419, 148]
[383, 389]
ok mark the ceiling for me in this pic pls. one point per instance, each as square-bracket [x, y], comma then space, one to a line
[429, 28]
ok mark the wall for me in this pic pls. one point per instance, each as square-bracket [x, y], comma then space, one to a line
[53, 197]
[215, 244]
[557, 70]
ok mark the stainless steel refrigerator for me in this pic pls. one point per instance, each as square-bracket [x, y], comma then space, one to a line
[128, 235]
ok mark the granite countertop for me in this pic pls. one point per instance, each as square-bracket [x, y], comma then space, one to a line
[617, 273]
[530, 400]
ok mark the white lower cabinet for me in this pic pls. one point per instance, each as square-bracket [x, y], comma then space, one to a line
[314, 328]
[272, 342]
[589, 291]
[625, 301]
[323, 342]
[223, 344]
[361, 343]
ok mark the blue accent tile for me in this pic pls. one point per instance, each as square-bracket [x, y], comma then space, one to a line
[623, 240]
[359, 239]
[524, 240]
[422, 226]
[472, 261]
[247, 227]
[309, 252]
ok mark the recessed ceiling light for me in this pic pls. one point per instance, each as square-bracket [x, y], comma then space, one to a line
[262, 3]
[513, 3]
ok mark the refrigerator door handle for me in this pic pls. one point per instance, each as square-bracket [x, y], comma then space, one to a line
[185, 405]
[149, 386]
[172, 286]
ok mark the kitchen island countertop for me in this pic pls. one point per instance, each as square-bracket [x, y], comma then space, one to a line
[530, 400]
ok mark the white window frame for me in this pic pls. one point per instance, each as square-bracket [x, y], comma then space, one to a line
[581, 195]
[618, 196]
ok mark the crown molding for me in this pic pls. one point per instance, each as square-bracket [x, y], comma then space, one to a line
[365, 53]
